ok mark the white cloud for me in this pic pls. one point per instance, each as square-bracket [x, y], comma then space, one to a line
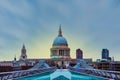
[94, 21]
[20, 8]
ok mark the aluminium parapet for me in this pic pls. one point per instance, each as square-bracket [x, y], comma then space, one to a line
[23, 73]
[115, 75]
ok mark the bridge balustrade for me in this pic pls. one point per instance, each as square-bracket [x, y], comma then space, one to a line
[22, 73]
[101, 73]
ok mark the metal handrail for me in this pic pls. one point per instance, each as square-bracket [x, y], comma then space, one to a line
[22, 73]
[101, 73]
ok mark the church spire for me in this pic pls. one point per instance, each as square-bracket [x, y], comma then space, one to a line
[60, 31]
[23, 46]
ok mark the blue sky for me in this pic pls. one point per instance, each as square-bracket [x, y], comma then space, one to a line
[87, 24]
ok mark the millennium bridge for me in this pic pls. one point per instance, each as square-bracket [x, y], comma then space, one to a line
[80, 68]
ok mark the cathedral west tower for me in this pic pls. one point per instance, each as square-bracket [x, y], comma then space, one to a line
[60, 47]
[23, 53]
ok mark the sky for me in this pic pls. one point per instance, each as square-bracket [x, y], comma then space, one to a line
[90, 25]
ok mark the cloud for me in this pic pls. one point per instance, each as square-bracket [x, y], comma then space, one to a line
[17, 8]
[86, 22]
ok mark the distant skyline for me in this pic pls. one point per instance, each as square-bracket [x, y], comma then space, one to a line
[90, 25]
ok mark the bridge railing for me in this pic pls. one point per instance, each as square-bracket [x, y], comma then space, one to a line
[23, 73]
[101, 73]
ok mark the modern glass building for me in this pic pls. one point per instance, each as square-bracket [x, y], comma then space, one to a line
[105, 53]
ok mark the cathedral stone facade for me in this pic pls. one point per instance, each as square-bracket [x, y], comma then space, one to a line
[60, 47]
